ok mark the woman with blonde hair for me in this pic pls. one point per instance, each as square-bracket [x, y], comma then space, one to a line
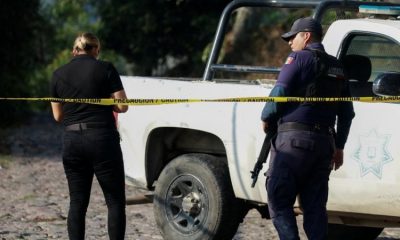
[91, 141]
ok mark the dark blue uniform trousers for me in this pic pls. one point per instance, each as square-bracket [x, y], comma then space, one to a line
[300, 165]
[94, 152]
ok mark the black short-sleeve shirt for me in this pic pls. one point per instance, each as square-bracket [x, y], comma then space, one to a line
[85, 77]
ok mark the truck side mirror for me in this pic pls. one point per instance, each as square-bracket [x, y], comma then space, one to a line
[387, 84]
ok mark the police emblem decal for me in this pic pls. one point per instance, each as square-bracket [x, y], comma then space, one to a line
[371, 153]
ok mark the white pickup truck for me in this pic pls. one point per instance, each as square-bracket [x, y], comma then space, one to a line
[196, 158]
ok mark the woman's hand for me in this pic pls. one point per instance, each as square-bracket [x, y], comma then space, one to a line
[118, 107]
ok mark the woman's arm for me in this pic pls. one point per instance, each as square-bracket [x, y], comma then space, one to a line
[56, 107]
[120, 95]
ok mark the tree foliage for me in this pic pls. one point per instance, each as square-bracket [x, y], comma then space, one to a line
[21, 25]
[160, 32]
[66, 18]
[157, 37]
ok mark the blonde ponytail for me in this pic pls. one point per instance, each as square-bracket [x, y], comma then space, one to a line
[86, 42]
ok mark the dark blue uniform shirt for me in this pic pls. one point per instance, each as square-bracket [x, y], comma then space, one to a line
[297, 72]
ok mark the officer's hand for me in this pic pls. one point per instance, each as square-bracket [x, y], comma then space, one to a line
[337, 159]
[265, 126]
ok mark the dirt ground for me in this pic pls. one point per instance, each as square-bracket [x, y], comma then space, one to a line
[34, 195]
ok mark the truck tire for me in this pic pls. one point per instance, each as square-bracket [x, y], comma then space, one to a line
[340, 231]
[194, 199]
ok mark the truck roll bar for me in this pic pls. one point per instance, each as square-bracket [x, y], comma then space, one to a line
[320, 7]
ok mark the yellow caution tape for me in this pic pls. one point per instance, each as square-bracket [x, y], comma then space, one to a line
[109, 101]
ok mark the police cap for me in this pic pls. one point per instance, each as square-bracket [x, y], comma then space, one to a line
[307, 24]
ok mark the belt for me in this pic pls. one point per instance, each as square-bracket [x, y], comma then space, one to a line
[290, 126]
[84, 126]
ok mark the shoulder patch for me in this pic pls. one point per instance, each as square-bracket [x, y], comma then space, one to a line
[289, 60]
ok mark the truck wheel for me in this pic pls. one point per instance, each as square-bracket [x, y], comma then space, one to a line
[194, 199]
[340, 231]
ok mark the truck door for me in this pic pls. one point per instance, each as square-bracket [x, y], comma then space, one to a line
[370, 178]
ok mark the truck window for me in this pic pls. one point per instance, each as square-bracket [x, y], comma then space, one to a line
[383, 53]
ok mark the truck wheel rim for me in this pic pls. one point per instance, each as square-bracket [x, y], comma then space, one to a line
[187, 204]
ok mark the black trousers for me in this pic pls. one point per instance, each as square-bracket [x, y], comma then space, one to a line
[94, 152]
[300, 165]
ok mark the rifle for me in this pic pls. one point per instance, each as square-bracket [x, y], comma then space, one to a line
[262, 157]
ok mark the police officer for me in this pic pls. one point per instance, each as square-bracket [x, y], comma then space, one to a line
[306, 147]
[91, 140]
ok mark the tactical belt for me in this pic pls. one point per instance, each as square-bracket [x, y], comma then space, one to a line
[85, 126]
[291, 126]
